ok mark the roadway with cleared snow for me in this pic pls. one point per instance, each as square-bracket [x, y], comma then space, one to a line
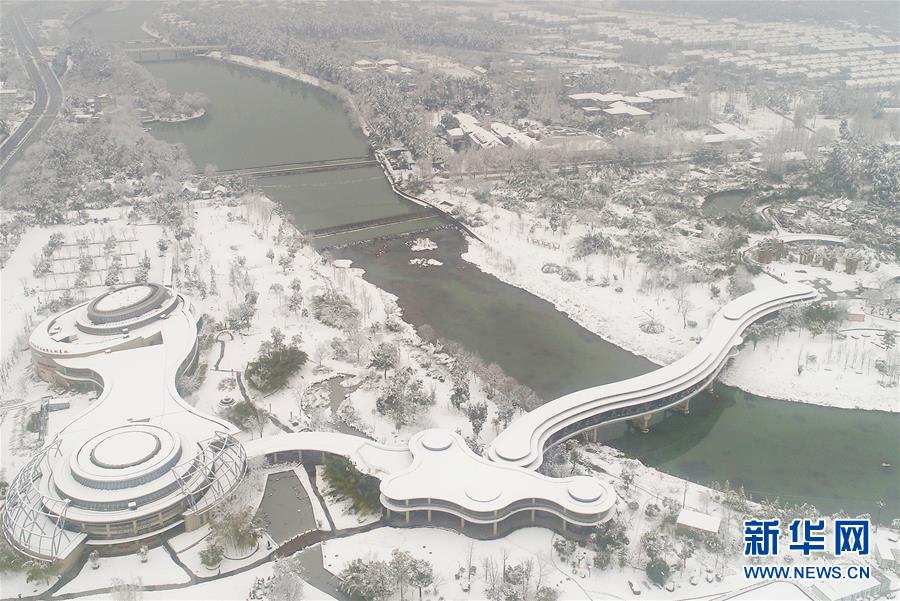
[47, 98]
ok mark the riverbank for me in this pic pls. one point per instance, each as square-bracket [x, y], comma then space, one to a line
[278, 69]
[613, 297]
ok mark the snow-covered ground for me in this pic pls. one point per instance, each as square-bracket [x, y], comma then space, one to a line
[835, 372]
[213, 248]
[159, 569]
[515, 252]
[230, 588]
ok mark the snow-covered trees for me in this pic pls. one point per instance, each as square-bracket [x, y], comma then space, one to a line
[114, 271]
[142, 273]
[378, 580]
[247, 416]
[235, 529]
[477, 414]
[521, 581]
[239, 316]
[384, 357]
[276, 362]
[213, 554]
[367, 580]
[346, 482]
[286, 583]
[403, 398]
[740, 283]
[334, 309]
[421, 575]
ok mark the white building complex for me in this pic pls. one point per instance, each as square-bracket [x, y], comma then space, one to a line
[141, 463]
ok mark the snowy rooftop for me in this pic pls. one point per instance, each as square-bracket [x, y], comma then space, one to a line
[139, 448]
[698, 521]
[661, 94]
[445, 469]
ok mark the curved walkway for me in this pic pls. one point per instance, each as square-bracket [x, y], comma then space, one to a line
[523, 442]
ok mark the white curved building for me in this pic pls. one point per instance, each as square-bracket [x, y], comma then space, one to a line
[437, 479]
[523, 442]
[140, 461]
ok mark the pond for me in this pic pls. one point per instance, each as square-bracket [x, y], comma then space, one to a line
[724, 202]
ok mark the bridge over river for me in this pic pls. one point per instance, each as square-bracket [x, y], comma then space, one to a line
[145, 54]
[357, 162]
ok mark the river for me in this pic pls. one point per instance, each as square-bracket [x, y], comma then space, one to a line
[830, 457]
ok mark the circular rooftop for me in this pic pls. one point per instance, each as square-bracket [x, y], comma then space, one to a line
[125, 449]
[130, 306]
[507, 449]
[483, 492]
[586, 490]
[124, 456]
[126, 302]
[436, 440]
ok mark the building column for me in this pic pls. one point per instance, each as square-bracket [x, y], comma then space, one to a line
[685, 407]
[407, 516]
[388, 515]
[564, 524]
[462, 524]
[643, 423]
[429, 516]
[595, 434]
[532, 516]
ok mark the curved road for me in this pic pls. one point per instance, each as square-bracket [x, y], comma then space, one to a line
[47, 98]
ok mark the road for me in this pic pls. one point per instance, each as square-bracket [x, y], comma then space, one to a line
[47, 98]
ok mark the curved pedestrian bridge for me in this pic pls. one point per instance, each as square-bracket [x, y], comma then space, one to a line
[524, 441]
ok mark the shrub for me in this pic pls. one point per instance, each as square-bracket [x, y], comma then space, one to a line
[346, 482]
[276, 363]
[213, 554]
[658, 571]
[590, 244]
[334, 309]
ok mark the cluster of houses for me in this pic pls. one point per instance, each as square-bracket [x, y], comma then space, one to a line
[471, 132]
[174, 19]
[621, 106]
[387, 65]
[203, 190]
[781, 50]
[858, 69]
[89, 110]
